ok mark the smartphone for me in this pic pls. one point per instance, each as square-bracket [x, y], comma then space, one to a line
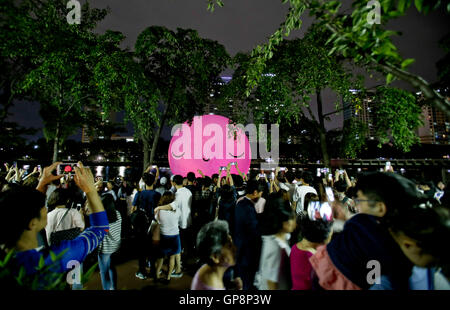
[313, 210]
[26, 167]
[66, 168]
[318, 210]
[330, 177]
[39, 167]
[318, 172]
[341, 171]
[233, 163]
[330, 194]
[262, 175]
[326, 213]
[15, 164]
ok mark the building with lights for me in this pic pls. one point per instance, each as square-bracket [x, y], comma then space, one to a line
[211, 107]
[361, 111]
[436, 127]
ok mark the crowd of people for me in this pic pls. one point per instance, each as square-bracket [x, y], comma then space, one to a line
[289, 230]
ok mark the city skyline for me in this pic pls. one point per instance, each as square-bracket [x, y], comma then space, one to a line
[239, 26]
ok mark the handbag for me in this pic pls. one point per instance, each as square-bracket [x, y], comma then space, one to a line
[67, 234]
[155, 231]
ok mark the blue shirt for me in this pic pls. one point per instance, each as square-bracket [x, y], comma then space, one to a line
[149, 201]
[421, 279]
[76, 249]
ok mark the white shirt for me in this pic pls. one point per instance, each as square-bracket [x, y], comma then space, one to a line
[73, 219]
[183, 201]
[259, 205]
[299, 196]
[130, 199]
[290, 188]
[270, 264]
[169, 222]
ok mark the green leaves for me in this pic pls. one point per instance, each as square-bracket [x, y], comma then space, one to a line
[406, 62]
[419, 5]
[212, 3]
[396, 117]
[389, 78]
[402, 5]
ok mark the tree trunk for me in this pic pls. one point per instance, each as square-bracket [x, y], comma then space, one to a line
[56, 143]
[6, 101]
[158, 133]
[322, 131]
[146, 144]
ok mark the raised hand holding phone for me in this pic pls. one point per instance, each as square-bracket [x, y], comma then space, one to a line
[85, 181]
[47, 177]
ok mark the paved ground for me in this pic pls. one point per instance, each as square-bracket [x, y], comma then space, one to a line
[126, 280]
[127, 266]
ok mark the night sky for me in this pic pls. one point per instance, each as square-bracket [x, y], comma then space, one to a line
[242, 24]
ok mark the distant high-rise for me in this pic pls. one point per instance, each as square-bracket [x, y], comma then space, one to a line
[361, 112]
[212, 108]
[85, 138]
[436, 128]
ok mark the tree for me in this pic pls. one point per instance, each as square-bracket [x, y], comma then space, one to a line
[355, 36]
[184, 68]
[60, 76]
[298, 70]
[11, 138]
[396, 116]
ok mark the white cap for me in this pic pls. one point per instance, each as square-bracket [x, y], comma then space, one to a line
[163, 181]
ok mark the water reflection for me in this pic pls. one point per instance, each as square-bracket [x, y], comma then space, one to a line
[111, 172]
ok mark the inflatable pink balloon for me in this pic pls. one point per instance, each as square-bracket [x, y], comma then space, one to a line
[208, 144]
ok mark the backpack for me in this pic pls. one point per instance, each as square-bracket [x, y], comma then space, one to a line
[139, 219]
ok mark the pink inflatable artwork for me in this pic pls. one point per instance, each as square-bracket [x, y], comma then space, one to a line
[208, 144]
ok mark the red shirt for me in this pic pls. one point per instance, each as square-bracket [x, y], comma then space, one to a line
[301, 269]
